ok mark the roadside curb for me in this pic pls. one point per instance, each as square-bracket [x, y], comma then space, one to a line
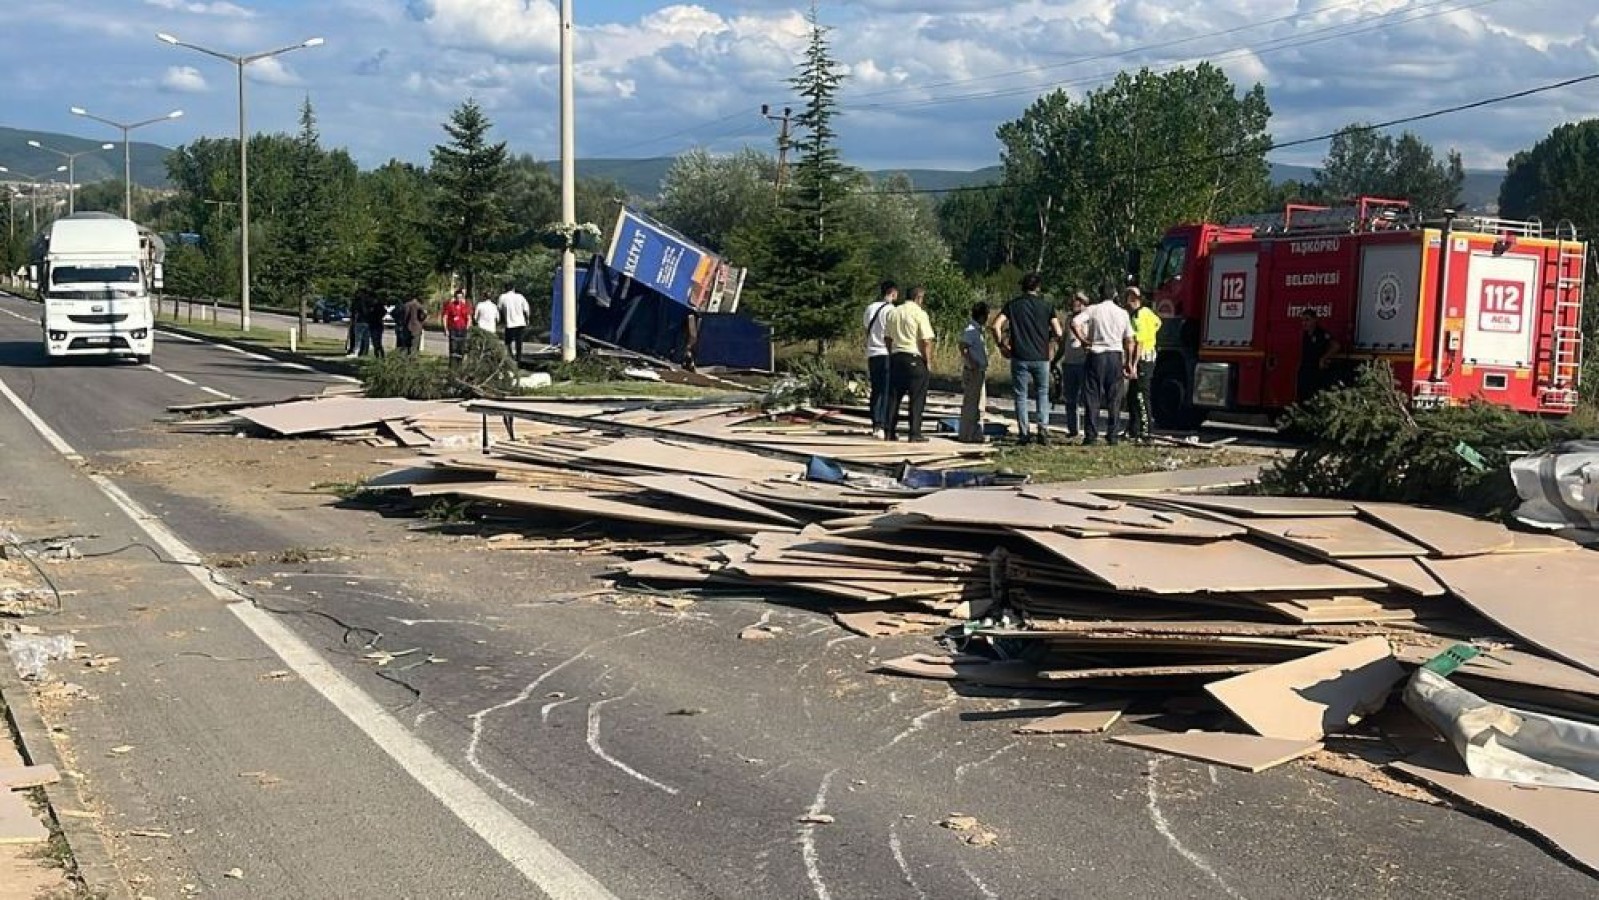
[91, 860]
[321, 365]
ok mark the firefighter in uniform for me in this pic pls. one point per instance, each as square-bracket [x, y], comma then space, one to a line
[1317, 347]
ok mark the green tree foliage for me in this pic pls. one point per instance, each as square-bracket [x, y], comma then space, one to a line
[708, 197]
[1364, 162]
[1096, 178]
[304, 242]
[469, 217]
[807, 264]
[1557, 179]
[395, 263]
[900, 233]
[980, 226]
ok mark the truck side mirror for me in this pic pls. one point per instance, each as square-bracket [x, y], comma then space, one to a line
[156, 278]
[33, 274]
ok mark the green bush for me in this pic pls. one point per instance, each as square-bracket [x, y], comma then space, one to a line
[1364, 443]
[485, 369]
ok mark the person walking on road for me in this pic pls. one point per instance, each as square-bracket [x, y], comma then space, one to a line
[457, 319]
[974, 375]
[909, 333]
[408, 325]
[1026, 331]
[1107, 332]
[376, 315]
[514, 310]
[1146, 333]
[877, 361]
[1073, 364]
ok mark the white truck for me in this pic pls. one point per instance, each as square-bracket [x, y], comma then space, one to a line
[95, 273]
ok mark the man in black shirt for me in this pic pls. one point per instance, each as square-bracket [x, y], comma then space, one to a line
[1027, 332]
[1317, 347]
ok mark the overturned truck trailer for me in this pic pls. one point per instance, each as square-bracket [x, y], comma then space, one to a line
[658, 293]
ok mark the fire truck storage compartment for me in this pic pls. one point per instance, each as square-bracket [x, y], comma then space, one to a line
[1230, 317]
[1501, 306]
[1390, 297]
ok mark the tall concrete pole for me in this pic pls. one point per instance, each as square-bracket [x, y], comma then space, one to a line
[568, 190]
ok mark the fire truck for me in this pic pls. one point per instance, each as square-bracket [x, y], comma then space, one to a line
[1462, 308]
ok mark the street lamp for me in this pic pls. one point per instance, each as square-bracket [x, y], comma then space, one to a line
[127, 150]
[33, 195]
[71, 158]
[239, 63]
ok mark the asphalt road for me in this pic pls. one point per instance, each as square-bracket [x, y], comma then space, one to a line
[658, 752]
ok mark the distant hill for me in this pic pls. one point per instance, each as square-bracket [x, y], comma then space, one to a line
[642, 178]
[149, 160]
[1479, 194]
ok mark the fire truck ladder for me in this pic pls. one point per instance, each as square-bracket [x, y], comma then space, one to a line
[1565, 352]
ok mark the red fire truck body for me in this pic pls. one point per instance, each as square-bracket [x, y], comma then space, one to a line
[1471, 308]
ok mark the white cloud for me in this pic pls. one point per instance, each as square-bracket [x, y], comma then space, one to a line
[198, 8]
[184, 80]
[514, 29]
[272, 71]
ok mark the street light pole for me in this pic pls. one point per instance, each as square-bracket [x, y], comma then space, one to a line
[72, 159]
[127, 150]
[239, 62]
[33, 193]
[568, 191]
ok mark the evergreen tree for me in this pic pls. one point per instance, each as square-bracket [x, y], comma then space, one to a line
[470, 222]
[807, 260]
[305, 234]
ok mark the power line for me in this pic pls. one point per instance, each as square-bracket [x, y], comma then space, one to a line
[669, 135]
[1279, 145]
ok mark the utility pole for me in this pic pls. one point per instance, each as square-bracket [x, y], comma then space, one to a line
[568, 187]
[782, 142]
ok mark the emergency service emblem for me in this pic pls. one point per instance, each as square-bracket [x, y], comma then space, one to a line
[1388, 297]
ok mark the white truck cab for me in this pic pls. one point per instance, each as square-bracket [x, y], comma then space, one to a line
[95, 273]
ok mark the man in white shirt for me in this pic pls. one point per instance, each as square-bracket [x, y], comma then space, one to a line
[877, 364]
[514, 309]
[486, 315]
[1106, 331]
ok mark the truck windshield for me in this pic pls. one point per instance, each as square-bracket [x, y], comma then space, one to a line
[69, 275]
[1169, 261]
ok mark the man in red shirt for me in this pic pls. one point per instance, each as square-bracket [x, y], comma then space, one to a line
[457, 319]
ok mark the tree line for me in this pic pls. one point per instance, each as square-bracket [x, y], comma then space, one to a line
[1085, 182]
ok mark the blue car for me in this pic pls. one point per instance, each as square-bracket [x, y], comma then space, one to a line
[325, 309]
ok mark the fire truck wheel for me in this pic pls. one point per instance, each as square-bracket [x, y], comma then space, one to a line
[1169, 401]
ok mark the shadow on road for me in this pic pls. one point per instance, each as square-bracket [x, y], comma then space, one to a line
[31, 355]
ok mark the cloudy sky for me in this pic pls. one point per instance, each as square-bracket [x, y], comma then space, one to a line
[927, 80]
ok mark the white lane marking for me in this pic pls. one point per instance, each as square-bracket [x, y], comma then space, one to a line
[179, 337]
[216, 393]
[155, 368]
[45, 431]
[1157, 816]
[813, 869]
[594, 745]
[539, 861]
[896, 848]
[299, 367]
[180, 379]
[16, 315]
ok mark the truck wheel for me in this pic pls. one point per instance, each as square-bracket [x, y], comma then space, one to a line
[144, 359]
[1169, 400]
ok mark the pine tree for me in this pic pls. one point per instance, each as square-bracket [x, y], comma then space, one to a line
[307, 231]
[807, 258]
[470, 222]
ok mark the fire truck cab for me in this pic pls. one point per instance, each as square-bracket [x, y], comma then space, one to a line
[1469, 307]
